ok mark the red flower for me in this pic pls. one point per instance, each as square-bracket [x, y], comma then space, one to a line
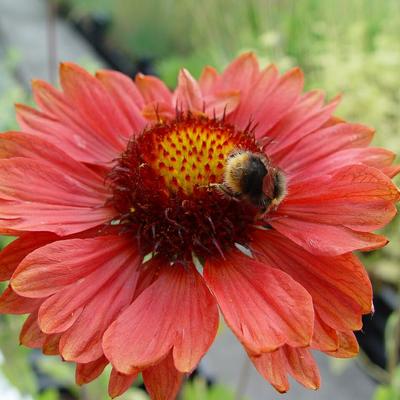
[120, 194]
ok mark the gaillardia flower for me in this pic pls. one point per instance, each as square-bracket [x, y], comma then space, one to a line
[140, 212]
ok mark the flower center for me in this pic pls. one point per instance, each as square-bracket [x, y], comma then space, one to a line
[166, 188]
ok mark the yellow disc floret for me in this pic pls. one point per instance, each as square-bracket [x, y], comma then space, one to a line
[191, 152]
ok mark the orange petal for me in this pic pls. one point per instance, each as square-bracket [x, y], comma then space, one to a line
[163, 380]
[120, 383]
[88, 372]
[31, 336]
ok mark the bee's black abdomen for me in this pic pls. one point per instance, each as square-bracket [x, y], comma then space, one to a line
[252, 179]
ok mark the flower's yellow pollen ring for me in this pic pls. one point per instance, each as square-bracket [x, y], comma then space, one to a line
[191, 156]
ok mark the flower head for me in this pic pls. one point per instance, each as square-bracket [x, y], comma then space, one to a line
[139, 211]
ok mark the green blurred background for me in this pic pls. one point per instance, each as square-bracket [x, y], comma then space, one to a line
[344, 46]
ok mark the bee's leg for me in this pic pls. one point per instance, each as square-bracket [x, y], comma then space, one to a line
[225, 190]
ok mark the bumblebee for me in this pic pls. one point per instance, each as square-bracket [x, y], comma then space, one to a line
[251, 177]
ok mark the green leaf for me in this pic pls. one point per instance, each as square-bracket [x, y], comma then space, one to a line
[15, 365]
[198, 390]
[385, 393]
[48, 395]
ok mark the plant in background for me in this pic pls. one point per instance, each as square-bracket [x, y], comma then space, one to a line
[139, 211]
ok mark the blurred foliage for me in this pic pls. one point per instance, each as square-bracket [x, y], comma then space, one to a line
[198, 390]
[391, 390]
[10, 90]
[346, 46]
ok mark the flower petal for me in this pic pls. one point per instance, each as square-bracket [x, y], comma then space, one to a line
[239, 74]
[62, 220]
[11, 303]
[29, 187]
[28, 180]
[271, 103]
[153, 90]
[31, 336]
[94, 104]
[60, 311]
[120, 383]
[208, 80]
[163, 381]
[272, 366]
[82, 342]
[176, 311]
[306, 116]
[51, 345]
[57, 265]
[88, 372]
[308, 150]
[17, 250]
[339, 286]
[348, 346]
[359, 197]
[263, 306]
[328, 240]
[126, 95]
[325, 338]
[188, 96]
[18, 144]
[371, 156]
[298, 362]
[80, 144]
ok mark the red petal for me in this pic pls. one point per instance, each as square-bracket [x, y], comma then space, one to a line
[208, 80]
[126, 95]
[263, 306]
[371, 156]
[339, 286]
[11, 303]
[348, 346]
[325, 338]
[153, 90]
[29, 187]
[82, 342]
[306, 116]
[120, 383]
[88, 372]
[51, 345]
[221, 104]
[308, 150]
[60, 219]
[17, 250]
[94, 104]
[302, 366]
[329, 240]
[298, 362]
[27, 180]
[240, 74]
[359, 197]
[163, 381]
[275, 104]
[188, 96]
[272, 366]
[31, 336]
[18, 144]
[79, 143]
[176, 311]
[86, 130]
[57, 265]
[61, 310]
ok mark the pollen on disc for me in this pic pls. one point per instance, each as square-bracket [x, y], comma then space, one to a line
[191, 152]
